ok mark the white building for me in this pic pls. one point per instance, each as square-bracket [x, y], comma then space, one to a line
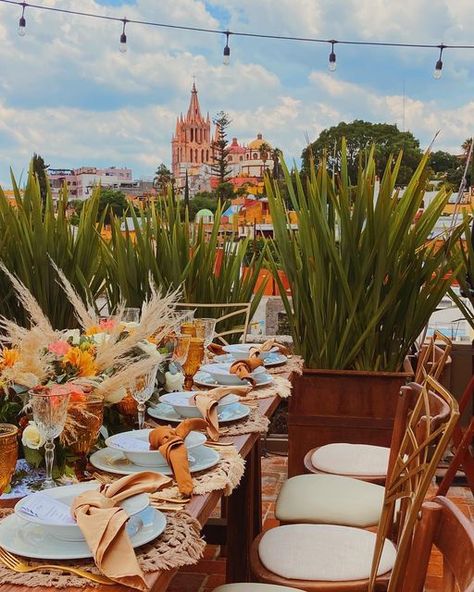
[80, 182]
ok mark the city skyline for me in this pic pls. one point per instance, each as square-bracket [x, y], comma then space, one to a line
[67, 93]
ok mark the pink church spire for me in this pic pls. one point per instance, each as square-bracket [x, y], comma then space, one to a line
[194, 111]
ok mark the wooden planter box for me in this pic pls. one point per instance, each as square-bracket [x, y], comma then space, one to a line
[340, 406]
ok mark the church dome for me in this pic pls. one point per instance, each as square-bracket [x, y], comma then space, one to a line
[257, 143]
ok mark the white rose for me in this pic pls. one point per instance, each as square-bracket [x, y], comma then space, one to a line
[116, 396]
[32, 437]
[72, 335]
[174, 382]
[100, 338]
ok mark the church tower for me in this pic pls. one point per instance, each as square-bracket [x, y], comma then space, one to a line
[191, 145]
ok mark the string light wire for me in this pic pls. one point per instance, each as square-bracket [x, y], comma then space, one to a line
[238, 33]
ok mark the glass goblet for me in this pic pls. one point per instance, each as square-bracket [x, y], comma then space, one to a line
[142, 392]
[8, 453]
[49, 414]
[205, 329]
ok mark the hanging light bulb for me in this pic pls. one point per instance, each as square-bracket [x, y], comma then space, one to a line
[226, 60]
[332, 58]
[438, 71]
[22, 22]
[123, 39]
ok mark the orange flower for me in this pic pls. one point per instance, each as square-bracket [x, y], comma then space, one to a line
[9, 357]
[83, 361]
[93, 330]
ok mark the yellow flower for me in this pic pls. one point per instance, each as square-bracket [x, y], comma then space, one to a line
[9, 357]
[93, 330]
[83, 361]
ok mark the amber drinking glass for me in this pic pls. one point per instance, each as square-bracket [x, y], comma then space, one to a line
[193, 361]
[8, 453]
[88, 416]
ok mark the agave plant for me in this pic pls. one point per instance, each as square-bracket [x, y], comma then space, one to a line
[33, 235]
[465, 275]
[177, 253]
[364, 277]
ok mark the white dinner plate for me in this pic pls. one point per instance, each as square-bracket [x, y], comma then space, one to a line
[205, 379]
[185, 407]
[66, 494]
[229, 413]
[113, 461]
[32, 540]
[270, 360]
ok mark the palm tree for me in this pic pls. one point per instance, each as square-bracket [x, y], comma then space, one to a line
[162, 179]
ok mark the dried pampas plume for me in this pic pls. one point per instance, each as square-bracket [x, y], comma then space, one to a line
[86, 316]
[30, 304]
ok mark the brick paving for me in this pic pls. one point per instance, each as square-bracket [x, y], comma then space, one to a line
[210, 571]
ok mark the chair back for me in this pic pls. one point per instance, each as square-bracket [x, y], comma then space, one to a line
[232, 318]
[432, 358]
[428, 430]
[443, 525]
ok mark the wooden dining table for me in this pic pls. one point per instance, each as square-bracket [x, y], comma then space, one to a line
[242, 522]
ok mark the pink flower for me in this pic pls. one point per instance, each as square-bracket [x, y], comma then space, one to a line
[107, 324]
[60, 348]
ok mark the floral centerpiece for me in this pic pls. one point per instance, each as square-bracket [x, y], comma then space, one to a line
[98, 364]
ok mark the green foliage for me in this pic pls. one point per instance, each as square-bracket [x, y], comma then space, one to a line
[162, 179]
[200, 202]
[364, 278]
[30, 234]
[360, 136]
[464, 258]
[112, 202]
[39, 169]
[220, 148]
[176, 253]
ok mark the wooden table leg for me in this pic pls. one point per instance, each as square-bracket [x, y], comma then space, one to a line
[244, 518]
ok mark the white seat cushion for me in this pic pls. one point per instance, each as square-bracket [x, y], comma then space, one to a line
[251, 587]
[322, 552]
[351, 459]
[330, 499]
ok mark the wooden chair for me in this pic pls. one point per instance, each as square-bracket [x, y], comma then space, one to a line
[367, 462]
[443, 525]
[222, 313]
[461, 446]
[326, 558]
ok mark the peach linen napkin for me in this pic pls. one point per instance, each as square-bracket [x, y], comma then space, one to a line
[102, 523]
[170, 443]
[207, 401]
[216, 349]
[268, 346]
[244, 368]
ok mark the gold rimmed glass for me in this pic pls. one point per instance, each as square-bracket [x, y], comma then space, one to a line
[8, 453]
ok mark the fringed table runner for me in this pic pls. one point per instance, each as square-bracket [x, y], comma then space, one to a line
[294, 365]
[254, 423]
[180, 544]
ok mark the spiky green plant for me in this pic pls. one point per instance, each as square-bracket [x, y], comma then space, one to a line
[33, 233]
[465, 275]
[364, 278]
[166, 246]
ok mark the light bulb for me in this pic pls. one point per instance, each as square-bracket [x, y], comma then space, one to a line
[22, 27]
[438, 71]
[123, 43]
[332, 62]
[226, 60]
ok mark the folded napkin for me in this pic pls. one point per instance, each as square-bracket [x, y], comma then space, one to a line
[207, 401]
[244, 368]
[216, 349]
[102, 523]
[170, 442]
[267, 346]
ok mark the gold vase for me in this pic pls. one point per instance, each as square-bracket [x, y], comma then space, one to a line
[8, 453]
[193, 361]
[88, 416]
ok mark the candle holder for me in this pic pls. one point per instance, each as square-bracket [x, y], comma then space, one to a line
[193, 361]
[8, 453]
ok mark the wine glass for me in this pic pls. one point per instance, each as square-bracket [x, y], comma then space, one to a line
[142, 392]
[8, 453]
[205, 329]
[131, 315]
[49, 414]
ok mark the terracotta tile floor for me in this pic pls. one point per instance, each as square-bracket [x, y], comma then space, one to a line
[210, 571]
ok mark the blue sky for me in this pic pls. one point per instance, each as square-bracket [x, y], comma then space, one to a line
[68, 94]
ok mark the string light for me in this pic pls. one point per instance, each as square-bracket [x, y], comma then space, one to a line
[439, 64]
[332, 58]
[332, 42]
[226, 59]
[22, 22]
[123, 38]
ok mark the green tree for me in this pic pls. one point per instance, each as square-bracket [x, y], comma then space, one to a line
[162, 179]
[186, 190]
[115, 201]
[39, 169]
[360, 135]
[220, 148]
